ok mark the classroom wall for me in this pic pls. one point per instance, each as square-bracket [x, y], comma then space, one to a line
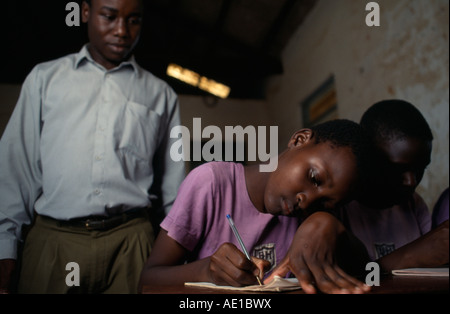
[225, 112]
[406, 57]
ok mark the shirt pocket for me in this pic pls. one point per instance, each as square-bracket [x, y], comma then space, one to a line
[139, 132]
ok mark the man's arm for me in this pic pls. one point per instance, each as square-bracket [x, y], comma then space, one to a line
[20, 172]
[169, 174]
[7, 267]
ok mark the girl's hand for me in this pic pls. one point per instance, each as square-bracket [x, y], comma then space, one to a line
[229, 266]
[313, 257]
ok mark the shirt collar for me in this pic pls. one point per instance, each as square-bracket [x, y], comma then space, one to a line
[85, 55]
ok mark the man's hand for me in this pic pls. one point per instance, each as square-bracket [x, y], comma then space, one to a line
[7, 267]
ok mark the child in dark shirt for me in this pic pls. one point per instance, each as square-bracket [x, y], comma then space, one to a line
[390, 218]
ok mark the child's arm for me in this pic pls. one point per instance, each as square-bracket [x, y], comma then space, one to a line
[319, 245]
[430, 250]
[227, 266]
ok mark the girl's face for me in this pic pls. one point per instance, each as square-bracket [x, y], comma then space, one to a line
[310, 177]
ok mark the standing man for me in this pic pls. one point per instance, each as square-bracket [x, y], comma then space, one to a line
[84, 156]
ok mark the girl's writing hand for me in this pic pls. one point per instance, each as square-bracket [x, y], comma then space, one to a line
[229, 266]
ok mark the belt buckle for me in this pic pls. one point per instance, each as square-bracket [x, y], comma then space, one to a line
[90, 224]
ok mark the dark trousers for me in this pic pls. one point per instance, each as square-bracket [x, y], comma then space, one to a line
[57, 257]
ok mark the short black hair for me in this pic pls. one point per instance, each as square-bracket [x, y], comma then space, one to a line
[89, 2]
[347, 133]
[395, 119]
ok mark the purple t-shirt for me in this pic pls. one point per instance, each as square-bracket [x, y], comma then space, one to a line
[198, 220]
[385, 230]
[440, 210]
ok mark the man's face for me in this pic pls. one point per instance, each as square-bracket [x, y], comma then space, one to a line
[113, 28]
[309, 177]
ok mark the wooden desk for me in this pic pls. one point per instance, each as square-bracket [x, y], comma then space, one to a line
[178, 299]
[388, 285]
[410, 284]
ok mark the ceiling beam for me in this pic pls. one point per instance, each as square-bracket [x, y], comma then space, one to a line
[277, 25]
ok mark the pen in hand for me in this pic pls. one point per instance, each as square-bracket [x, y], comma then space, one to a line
[241, 243]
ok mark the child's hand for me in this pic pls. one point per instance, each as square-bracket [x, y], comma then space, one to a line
[229, 266]
[312, 258]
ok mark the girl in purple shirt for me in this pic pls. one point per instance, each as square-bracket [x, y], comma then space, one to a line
[319, 169]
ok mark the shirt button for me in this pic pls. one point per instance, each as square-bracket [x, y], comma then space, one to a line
[96, 191]
[98, 157]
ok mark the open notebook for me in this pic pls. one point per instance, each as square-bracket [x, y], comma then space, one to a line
[277, 285]
[434, 272]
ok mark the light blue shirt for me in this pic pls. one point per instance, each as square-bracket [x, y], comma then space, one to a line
[83, 141]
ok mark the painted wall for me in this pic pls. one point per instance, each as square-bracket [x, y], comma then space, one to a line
[406, 57]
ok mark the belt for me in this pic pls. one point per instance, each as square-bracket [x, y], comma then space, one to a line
[104, 222]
